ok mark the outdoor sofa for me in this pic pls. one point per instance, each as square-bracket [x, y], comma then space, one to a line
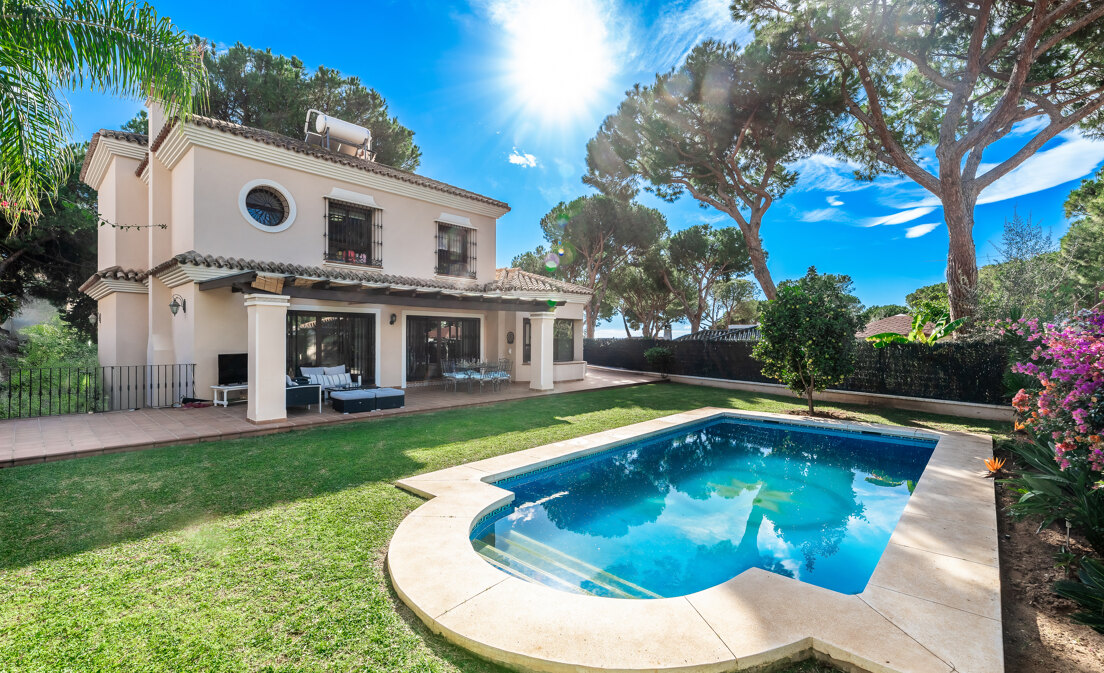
[330, 378]
[301, 393]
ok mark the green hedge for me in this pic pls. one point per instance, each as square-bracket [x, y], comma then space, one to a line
[959, 371]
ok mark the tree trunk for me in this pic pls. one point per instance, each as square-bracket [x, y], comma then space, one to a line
[695, 322]
[759, 262]
[8, 261]
[591, 312]
[962, 272]
[809, 397]
[628, 334]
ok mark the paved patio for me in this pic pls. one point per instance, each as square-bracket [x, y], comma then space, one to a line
[36, 440]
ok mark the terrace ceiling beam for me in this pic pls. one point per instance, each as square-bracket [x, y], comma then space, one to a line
[382, 297]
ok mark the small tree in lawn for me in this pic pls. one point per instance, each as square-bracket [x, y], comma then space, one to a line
[808, 334]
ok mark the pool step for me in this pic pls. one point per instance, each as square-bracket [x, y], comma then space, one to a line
[592, 573]
[523, 569]
[554, 562]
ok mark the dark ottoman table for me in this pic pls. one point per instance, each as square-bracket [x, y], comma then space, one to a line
[390, 398]
[354, 401]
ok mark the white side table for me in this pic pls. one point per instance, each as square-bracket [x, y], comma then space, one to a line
[222, 400]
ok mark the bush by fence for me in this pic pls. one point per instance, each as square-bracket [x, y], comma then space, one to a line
[962, 372]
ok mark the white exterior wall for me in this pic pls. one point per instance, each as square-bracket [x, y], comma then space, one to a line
[409, 225]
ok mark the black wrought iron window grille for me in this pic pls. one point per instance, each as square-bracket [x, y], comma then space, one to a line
[354, 234]
[455, 250]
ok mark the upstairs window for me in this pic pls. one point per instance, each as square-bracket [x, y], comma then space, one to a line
[266, 206]
[354, 234]
[455, 250]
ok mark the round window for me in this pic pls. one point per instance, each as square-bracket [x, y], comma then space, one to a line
[267, 206]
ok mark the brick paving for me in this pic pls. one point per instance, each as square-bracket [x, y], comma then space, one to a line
[35, 440]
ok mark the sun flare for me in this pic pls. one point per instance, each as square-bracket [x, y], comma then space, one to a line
[559, 57]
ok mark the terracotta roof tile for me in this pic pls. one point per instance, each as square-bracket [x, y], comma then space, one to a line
[898, 324]
[514, 279]
[303, 147]
[136, 138]
[113, 273]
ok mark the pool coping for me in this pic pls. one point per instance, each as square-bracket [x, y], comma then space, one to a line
[932, 603]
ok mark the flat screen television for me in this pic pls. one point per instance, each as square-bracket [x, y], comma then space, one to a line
[233, 368]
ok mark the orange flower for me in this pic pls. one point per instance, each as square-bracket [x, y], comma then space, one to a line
[994, 464]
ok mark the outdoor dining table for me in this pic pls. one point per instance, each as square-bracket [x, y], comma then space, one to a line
[469, 372]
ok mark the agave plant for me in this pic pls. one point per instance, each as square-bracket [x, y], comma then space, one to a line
[940, 319]
[1088, 593]
[115, 46]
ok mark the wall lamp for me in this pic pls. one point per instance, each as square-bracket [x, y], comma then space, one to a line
[393, 319]
[177, 304]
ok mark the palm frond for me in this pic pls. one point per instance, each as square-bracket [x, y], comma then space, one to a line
[34, 129]
[118, 47]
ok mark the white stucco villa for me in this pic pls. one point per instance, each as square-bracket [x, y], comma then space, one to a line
[298, 254]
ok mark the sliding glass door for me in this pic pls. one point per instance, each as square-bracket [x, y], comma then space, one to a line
[431, 341]
[332, 339]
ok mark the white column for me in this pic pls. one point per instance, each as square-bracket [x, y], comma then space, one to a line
[540, 353]
[267, 318]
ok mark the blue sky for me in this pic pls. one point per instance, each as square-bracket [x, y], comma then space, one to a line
[503, 95]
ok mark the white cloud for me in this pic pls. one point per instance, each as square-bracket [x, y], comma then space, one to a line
[921, 229]
[1077, 157]
[826, 173]
[834, 200]
[899, 218]
[823, 215]
[682, 25]
[1031, 125]
[522, 159]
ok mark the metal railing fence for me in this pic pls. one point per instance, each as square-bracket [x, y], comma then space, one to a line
[55, 391]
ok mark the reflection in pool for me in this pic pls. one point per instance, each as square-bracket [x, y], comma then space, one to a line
[694, 507]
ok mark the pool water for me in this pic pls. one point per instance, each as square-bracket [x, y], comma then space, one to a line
[696, 506]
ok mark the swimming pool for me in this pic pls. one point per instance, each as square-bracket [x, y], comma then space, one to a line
[693, 507]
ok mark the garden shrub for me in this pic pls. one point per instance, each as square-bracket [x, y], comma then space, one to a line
[53, 344]
[808, 334]
[1064, 412]
[660, 358]
[1067, 409]
[1049, 492]
[56, 371]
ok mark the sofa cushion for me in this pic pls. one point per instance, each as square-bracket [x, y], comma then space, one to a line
[290, 381]
[330, 371]
[335, 380]
[312, 371]
[388, 392]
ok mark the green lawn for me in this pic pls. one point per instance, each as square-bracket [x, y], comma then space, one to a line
[267, 553]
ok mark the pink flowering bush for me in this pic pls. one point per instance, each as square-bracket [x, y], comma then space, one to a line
[1065, 407]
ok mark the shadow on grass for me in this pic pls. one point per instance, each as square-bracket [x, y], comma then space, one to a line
[57, 509]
